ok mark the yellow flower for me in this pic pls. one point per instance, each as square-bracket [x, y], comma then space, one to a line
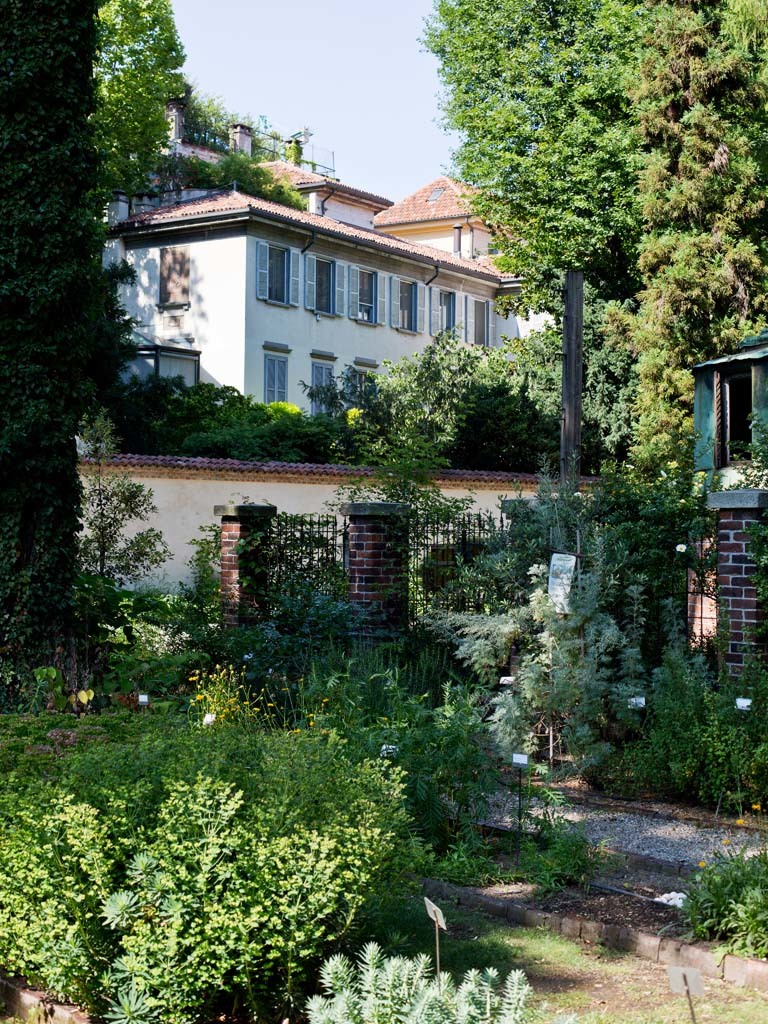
[702, 863]
[726, 842]
[756, 807]
[200, 696]
[739, 821]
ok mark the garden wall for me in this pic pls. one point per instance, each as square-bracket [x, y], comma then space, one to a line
[186, 489]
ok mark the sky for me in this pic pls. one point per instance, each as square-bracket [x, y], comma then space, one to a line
[356, 74]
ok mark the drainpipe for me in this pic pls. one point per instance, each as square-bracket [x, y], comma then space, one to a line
[457, 240]
[311, 242]
[331, 192]
[429, 282]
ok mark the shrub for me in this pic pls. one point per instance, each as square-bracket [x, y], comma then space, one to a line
[185, 872]
[728, 900]
[399, 990]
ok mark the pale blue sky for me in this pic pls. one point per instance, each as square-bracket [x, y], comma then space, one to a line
[355, 73]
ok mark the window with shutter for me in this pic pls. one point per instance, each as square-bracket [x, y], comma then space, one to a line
[174, 276]
[277, 290]
[324, 286]
[381, 298]
[481, 323]
[447, 315]
[322, 377]
[407, 305]
[366, 303]
[275, 379]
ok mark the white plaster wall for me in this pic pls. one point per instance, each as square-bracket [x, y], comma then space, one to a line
[440, 236]
[304, 331]
[215, 322]
[184, 505]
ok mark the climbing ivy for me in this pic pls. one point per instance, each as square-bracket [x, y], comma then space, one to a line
[49, 267]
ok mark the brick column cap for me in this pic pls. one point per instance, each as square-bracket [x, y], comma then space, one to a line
[374, 508]
[745, 497]
[263, 509]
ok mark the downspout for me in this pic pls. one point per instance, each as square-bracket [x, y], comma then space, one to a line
[429, 282]
[311, 242]
[331, 192]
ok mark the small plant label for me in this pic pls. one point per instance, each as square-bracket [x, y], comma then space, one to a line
[506, 680]
[520, 760]
[434, 913]
[143, 700]
[636, 702]
[562, 569]
[685, 981]
[744, 703]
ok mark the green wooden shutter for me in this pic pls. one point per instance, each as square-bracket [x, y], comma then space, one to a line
[310, 281]
[262, 270]
[381, 298]
[340, 276]
[354, 292]
[421, 298]
[394, 301]
[295, 258]
[469, 320]
[434, 310]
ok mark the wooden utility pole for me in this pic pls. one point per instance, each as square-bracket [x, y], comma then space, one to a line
[573, 341]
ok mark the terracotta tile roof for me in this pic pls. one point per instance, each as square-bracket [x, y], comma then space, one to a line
[221, 203]
[441, 199]
[304, 469]
[304, 181]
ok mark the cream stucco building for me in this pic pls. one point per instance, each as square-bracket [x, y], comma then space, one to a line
[239, 291]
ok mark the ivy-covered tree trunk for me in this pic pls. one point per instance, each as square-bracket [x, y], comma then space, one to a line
[49, 267]
[704, 257]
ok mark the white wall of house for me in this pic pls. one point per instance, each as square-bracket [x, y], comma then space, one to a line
[234, 330]
[214, 323]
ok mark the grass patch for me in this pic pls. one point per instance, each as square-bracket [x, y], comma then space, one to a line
[600, 986]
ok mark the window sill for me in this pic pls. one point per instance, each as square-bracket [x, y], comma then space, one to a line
[407, 330]
[275, 302]
[365, 323]
[174, 307]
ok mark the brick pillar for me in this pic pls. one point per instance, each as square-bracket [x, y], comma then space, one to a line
[238, 523]
[737, 597]
[377, 563]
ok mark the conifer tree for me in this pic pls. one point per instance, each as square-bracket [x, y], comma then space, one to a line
[703, 120]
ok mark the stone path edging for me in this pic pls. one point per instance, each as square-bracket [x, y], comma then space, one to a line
[738, 970]
[37, 1007]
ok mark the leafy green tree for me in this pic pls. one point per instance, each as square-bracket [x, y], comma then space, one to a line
[537, 89]
[137, 71]
[234, 169]
[49, 304]
[539, 92]
[111, 502]
[703, 115]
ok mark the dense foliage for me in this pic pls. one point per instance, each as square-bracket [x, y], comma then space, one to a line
[49, 305]
[175, 873]
[628, 141]
[138, 63]
[702, 109]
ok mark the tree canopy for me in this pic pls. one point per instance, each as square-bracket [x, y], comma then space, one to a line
[627, 140]
[137, 70]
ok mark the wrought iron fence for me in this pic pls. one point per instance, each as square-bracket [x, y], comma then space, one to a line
[441, 553]
[298, 552]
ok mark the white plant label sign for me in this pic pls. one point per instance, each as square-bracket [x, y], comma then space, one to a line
[520, 760]
[685, 981]
[562, 569]
[434, 913]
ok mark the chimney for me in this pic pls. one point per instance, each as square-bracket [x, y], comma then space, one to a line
[457, 239]
[118, 208]
[241, 138]
[174, 112]
[142, 202]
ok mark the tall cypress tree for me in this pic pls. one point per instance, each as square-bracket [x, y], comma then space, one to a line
[49, 267]
[704, 256]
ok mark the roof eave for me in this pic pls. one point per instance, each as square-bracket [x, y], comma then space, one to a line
[249, 213]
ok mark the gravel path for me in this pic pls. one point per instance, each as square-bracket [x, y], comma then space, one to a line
[665, 838]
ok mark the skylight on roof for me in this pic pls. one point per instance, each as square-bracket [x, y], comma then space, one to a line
[436, 193]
